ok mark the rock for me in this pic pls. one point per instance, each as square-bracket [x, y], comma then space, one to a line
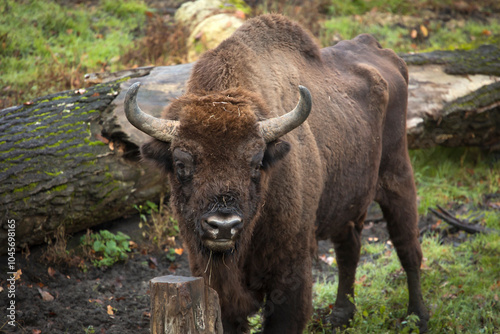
[210, 33]
[190, 14]
[209, 23]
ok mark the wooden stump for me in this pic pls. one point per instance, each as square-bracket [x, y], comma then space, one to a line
[184, 305]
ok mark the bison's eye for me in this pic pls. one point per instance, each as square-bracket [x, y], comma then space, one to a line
[183, 162]
[183, 173]
[257, 165]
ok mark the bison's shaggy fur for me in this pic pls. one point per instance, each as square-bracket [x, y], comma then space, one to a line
[315, 182]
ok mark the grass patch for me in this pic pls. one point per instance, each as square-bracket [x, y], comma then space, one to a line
[396, 33]
[458, 175]
[360, 7]
[48, 47]
[460, 286]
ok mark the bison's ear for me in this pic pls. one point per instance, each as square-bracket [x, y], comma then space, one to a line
[159, 154]
[275, 151]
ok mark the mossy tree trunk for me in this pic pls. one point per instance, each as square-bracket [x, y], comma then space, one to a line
[65, 161]
[71, 159]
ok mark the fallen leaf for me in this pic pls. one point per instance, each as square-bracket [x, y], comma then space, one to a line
[179, 251]
[486, 32]
[99, 137]
[51, 272]
[239, 14]
[110, 310]
[98, 301]
[327, 259]
[361, 279]
[45, 295]
[424, 30]
[153, 262]
[173, 267]
[17, 275]
[424, 265]
[171, 241]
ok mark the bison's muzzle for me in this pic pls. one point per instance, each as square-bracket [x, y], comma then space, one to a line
[220, 231]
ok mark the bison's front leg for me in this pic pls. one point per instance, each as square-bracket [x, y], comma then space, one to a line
[289, 299]
[347, 244]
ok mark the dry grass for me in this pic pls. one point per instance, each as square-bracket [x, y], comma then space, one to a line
[164, 42]
[56, 251]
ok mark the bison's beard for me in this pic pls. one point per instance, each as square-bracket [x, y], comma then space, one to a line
[222, 270]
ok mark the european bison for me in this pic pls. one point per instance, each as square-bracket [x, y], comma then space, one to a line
[254, 187]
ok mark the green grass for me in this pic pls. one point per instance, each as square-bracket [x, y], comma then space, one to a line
[458, 35]
[360, 7]
[459, 175]
[45, 44]
[460, 286]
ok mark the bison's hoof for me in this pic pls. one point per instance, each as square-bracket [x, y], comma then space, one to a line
[421, 311]
[341, 317]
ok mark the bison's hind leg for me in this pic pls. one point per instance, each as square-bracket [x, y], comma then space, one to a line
[347, 245]
[397, 197]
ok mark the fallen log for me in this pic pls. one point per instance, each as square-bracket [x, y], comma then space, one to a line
[184, 305]
[454, 98]
[71, 159]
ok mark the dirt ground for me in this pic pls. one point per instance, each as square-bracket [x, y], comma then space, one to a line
[116, 299]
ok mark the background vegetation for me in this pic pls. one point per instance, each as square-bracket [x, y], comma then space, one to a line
[48, 46]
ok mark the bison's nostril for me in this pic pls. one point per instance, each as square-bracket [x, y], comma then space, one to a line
[222, 227]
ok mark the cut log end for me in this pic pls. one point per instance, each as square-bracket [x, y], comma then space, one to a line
[184, 305]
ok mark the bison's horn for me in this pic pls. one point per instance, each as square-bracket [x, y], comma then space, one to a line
[161, 129]
[276, 127]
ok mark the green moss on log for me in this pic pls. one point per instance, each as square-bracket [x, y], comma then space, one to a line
[483, 60]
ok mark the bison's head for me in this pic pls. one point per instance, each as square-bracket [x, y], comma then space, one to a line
[218, 153]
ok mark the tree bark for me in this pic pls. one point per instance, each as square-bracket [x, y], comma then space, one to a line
[72, 158]
[454, 98]
[184, 305]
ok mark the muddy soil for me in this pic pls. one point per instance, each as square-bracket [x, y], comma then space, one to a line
[115, 299]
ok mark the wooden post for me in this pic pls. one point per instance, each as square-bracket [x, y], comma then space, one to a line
[184, 305]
